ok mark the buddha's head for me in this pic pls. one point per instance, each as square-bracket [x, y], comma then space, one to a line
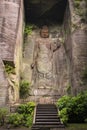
[44, 32]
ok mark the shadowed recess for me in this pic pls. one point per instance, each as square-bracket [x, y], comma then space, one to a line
[44, 10]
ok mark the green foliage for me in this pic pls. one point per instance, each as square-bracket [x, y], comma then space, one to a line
[62, 102]
[28, 29]
[68, 89]
[77, 3]
[23, 116]
[79, 10]
[27, 110]
[9, 69]
[63, 115]
[28, 120]
[24, 89]
[3, 113]
[73, 109]
[62, 105]
[15, 119]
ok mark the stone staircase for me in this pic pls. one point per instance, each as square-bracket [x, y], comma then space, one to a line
[46, 117]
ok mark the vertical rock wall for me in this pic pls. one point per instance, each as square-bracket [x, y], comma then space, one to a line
[11, 37]
[67, 44]
[76, 45]
[70, 59]
[3, 85]
[79, 53]
[19, 47]
[8, 28]
[62, 76]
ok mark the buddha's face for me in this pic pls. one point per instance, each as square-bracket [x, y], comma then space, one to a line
[44, 32]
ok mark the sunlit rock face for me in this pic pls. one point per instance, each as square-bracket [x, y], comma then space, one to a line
[11, 24]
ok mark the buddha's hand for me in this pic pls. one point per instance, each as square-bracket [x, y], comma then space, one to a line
[32, 65]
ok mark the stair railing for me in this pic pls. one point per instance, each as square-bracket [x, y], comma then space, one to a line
[34, 115]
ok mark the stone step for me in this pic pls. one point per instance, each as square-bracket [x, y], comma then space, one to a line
[46, 109]
[46, 105]
[36, 128]
[47, 123]
[48, 126]
[46, 119]
[41, 105]
[47, 114]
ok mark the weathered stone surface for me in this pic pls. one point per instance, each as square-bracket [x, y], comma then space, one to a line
[19, 47]
[8, 28]
[69, 61]
[79, 53]
[11, 30]
[59, 70]
[3, 85]
[28, 57]
[76, 45]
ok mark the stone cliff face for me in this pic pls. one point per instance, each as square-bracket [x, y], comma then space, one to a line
[11, 24]
[3, 85]
[70, 60]
[9, 12]
[75, 29]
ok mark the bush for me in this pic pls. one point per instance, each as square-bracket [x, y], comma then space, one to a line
[3, 113]
[73, 109]
[15, 119]
[24, 89]
[30, 107]
[28, 120]
[23, 116]
[27, 110]
[62, 102]
[63, 115]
